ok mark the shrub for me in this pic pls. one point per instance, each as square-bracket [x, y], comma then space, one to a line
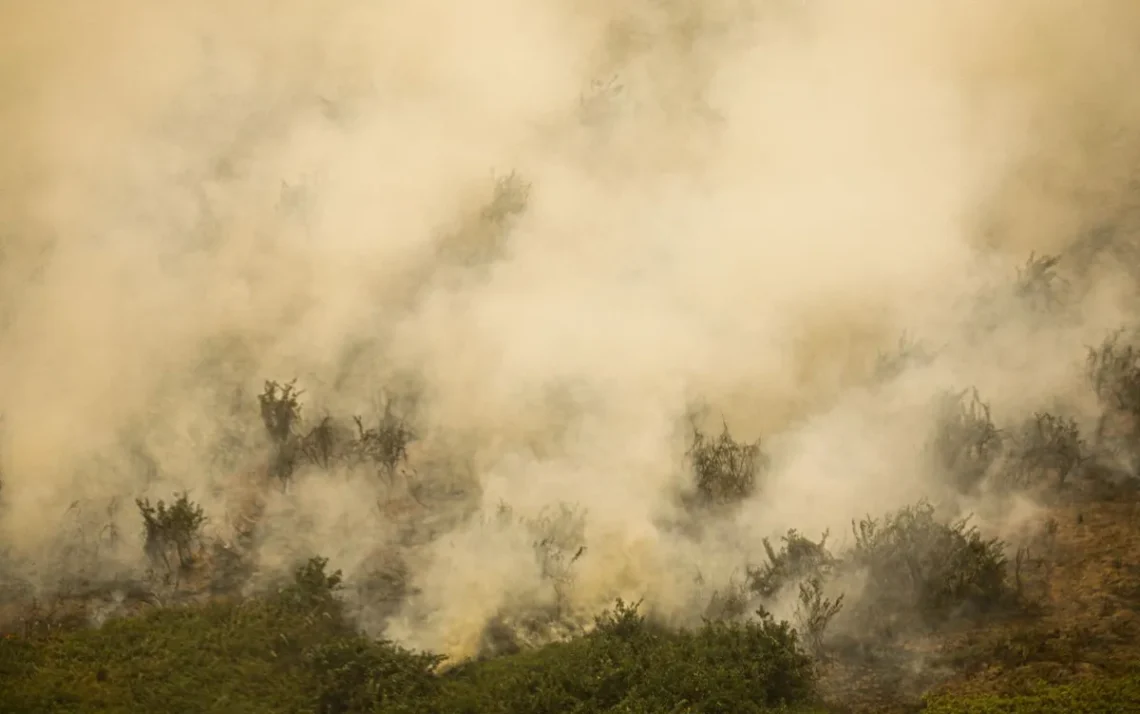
[1049, 445]
[798, 558]
[1114, 371]
[173, 530]
[815, 612]
[725, 469]
[355, 674]
[281, 415]
[385, 445]
[966, 443]
[917, 565]
[330, 442]
[312, 587]
[1038, 285]
[294, 651]
[629, 664]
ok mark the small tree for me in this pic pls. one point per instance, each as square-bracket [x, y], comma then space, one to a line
[173, 530]
[281, 415]
[1050, 445]
[385, 444]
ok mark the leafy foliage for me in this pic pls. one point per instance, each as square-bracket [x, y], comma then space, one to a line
[287, 653]
[281, 414]
[627, 664]
[172, 530]
[355, 674]
[383, 445]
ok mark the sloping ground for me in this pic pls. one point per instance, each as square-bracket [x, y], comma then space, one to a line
[1075, 646]
[1087, 638]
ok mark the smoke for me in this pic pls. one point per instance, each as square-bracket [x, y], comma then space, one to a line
[563, 226]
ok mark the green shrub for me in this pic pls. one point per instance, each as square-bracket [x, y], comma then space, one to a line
[281, 416]
[294, 651]
[628, 664]
[330, 442]
[355, 674]
[173, 530]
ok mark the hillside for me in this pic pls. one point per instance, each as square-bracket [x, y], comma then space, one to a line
[529, 357]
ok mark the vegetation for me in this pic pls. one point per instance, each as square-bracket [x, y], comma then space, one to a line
[966, 443]
[172, 531]
[295, 651]
[903, 586]
[1090, 696]
[725, 469]
[919, 566]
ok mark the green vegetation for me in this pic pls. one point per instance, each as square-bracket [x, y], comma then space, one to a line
[173, 531]
[295, 651]
[1089, 696]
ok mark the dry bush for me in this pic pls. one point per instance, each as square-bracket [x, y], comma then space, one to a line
[966, 444]
[1048, 446]
[725, 470]
[1113, 370]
